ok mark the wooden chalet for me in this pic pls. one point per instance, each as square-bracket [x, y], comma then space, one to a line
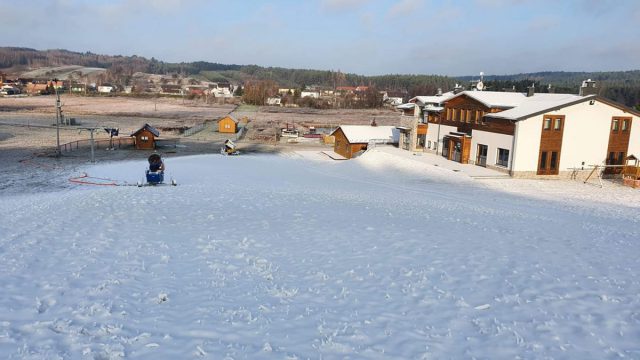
[529, 134]
[145, 137]
[228, 124]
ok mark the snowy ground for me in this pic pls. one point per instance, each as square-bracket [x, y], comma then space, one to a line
[295, 258]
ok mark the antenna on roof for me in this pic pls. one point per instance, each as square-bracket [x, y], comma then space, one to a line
[480, 84]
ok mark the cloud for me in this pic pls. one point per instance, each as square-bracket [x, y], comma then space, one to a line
[405, 7]
[343, 5]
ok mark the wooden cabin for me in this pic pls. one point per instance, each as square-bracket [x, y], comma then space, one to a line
[352, 139]
[145, 137]
[228, 124]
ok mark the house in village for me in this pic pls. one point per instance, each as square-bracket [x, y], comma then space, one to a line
[531, 134]
[421, 109]
[106, 89]
[145, 137]
[228, 124]
[353, 139]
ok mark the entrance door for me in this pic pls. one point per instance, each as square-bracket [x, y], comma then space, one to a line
[481, 157]
[457, 151]
[548, 163]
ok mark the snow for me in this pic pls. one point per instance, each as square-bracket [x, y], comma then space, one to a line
[364, 133]
[301, 257]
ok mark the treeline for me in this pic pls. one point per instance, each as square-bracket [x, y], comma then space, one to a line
[619, 86]
[409, 85]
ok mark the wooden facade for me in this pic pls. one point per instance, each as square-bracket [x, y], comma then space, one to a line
[467, 114]
[457, 147]
[145, 137]
[550, 145]
[343, 147]
[619, 135]
[228, 124]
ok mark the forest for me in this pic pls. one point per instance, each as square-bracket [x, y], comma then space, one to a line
[620, 86]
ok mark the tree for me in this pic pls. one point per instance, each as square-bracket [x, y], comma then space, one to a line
[256, 92]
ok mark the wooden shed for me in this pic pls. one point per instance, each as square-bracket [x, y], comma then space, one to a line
[353, 139]
[145, 137]
[228, 124]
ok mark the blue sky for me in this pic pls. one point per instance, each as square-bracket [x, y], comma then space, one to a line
[368, 37]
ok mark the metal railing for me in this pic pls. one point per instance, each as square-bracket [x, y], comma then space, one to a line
[194, 129]
[116, 144]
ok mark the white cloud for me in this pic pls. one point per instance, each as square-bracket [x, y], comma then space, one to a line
[341, 5]
[406, 7]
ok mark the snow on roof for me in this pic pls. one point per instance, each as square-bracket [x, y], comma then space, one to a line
[406, 106]
[366, 133]
[494, 99]
[434, 99]
[539, 103]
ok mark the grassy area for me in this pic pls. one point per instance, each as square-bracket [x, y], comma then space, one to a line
[247, 108]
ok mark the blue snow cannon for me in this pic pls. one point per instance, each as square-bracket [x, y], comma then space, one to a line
[154, 178]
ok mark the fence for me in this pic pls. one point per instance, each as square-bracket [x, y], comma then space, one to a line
[241, 132]
[117, 143]
[193, 130]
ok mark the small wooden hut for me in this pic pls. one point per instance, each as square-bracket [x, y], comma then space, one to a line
[145, 137]
[228, 124]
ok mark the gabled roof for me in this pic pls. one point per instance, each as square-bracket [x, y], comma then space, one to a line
[495, 99]
[148, 127]
[233, 118]
[539, 103]
[365, 133]
[543, 103]
[433, 99]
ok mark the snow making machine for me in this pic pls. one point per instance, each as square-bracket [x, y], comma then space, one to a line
[229, 148]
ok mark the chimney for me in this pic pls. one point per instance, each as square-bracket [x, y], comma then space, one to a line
[550, 89]
[588, 88]
[457, 89]
[373, 122]
[439, 93]
[531, 90]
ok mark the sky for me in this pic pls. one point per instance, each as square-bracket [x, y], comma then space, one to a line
[370, 37]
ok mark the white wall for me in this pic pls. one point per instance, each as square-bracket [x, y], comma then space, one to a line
[585, 137]
[432, 134]
[493, 142]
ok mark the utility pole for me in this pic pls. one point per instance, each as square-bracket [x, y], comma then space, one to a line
[58, 107]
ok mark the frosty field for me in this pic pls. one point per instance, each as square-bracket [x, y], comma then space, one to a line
[293, 258]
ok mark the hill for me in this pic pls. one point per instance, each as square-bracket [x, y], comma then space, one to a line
[300, 258]
[620, 86]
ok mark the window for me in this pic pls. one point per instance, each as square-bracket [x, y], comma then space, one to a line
[625, 125]
[547, 124]
[503, 157]
[557, 124]
[615, 125]
[144, 138]
[554, 160]
[458, 115]
[612, 158]
[474, 116]
[621, 158]
[543, 160]
[429, 144]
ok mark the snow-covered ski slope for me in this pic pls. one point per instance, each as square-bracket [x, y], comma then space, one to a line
[381, 257]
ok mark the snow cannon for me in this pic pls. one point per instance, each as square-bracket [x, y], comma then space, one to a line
[229, 148]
